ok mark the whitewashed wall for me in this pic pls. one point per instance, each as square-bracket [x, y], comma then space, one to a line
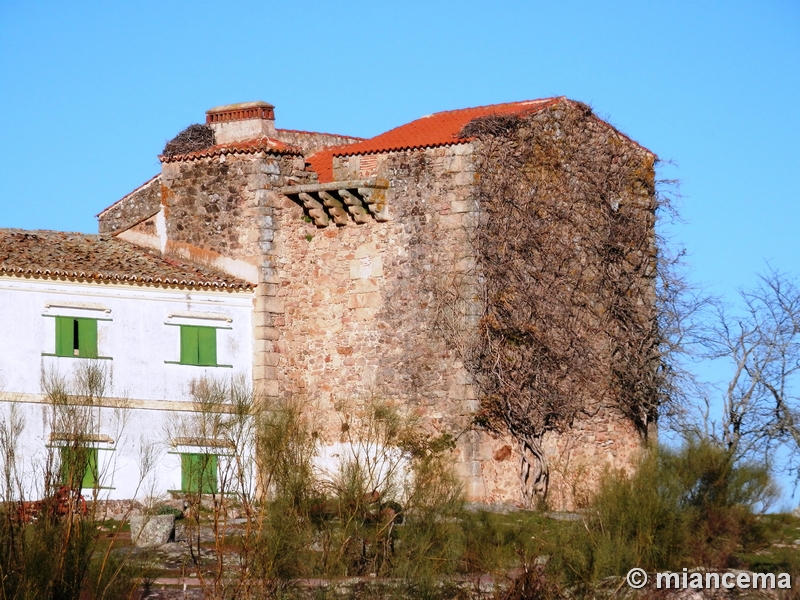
[139, 339]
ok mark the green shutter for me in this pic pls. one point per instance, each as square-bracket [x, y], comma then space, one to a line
[64, 339]
[90, 475]
[189, 345]
[207, 346]
[79, 465]
[87, 338]
[199, 473]
[210, 474]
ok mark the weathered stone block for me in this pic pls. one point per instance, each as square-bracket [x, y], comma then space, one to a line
[461, 149]
[368, 249]
[464, 178]
[462, 206]
[364, 314]
[262, 319]
[272, 304]
[151, 531]
[363, 286]
[270, 389]
[364, 300]
[267, 333]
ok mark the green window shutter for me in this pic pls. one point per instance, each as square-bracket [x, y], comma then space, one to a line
[67, 465]
[207, 346]
[210, 474]
[190, 354]
[87, 337]
[91, 473]
[199, 473]
[79, 465]
[64, 336]
[190, 473]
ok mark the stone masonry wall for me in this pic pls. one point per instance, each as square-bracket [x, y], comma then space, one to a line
[380, 309]
[310, 142]
[373, 310]
[140, 204]
[360, 313]
[219, 211]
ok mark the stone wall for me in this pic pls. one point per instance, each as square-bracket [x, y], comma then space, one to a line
[215, 212]
[386, 309]
[310, 142]
[220, 211]
[382, 310]
[140, 204]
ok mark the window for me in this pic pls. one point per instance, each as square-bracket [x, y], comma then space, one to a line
[76, 337]
[198, 345]
[79, 467]
[199, 473]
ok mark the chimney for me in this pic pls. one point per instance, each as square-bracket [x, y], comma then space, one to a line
[239, 122]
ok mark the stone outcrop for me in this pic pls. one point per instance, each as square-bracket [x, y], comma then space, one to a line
[150, 531]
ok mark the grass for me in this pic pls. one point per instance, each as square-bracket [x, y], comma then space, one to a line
[499, 543]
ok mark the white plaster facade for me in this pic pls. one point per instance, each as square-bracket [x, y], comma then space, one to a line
[138, 346]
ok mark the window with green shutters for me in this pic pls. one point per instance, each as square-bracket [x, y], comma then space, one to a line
[76, 337]
[199, 473]
[198, 345]
[79, 467]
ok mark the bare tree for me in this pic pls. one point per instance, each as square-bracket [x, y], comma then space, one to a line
[760, 343]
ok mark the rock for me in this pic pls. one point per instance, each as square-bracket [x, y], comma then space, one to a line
[151, 531]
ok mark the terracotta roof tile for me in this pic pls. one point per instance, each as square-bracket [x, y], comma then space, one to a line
[59, 254]
[438, 129]
[322, 163]
[263, 144]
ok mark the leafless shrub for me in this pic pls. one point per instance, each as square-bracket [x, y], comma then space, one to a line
[566, 251]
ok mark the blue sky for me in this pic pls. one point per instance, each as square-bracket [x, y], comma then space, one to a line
[90, 92]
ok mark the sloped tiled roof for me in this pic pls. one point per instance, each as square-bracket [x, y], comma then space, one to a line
[438, 129]
[264, 144]
[80, 256]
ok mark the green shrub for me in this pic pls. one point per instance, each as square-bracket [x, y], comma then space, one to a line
[691, 507]
[165, 509]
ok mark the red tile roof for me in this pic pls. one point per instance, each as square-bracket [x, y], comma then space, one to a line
[322, 163]
[263, 144]
[438, 129]
[80, 256]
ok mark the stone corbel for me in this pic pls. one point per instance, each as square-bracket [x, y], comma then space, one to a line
[360, 214]
[335, 207]
[315, 210]
[363, 200]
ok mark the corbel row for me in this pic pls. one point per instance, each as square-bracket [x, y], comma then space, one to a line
[341, 201]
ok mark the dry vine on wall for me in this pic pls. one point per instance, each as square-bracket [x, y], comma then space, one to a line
[565, 247]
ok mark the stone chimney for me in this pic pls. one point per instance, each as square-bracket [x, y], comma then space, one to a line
[244, 121]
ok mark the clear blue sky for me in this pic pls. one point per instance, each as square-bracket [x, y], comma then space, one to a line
[90, 92]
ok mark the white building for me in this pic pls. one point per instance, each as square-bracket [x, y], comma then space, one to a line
[76, 304]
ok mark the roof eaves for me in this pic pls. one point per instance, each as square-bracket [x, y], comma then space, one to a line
[405, 148]
[269, 145]
[128, 279]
